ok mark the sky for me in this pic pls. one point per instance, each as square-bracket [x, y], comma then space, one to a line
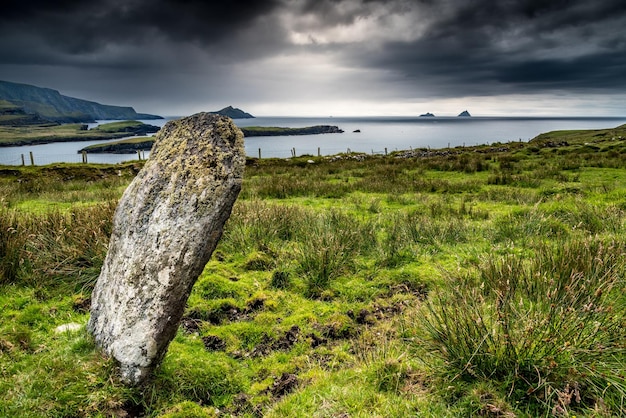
[325, 57]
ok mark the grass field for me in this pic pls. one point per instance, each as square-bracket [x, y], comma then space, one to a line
[481, 281]
[33, 134]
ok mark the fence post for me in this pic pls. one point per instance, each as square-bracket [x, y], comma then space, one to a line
[84, 157]
[318, 152]
[32, 159]
[139, 155]
[23, 164]
[385, 150]
[259, 153]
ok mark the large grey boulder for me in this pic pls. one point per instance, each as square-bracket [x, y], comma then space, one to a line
[165, 229]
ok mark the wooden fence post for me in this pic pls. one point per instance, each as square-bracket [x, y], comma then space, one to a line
[32, 159]
[23, 163]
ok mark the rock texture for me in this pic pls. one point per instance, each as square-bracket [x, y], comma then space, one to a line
[166, 227]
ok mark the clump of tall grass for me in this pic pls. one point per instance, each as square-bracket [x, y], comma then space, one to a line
[11, 243]
[329, 247]
[550, 330]
[255, 225]
[55, 248]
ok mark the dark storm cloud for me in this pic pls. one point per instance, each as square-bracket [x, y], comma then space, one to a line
[514, 46]
[39, 29]
[413, 49]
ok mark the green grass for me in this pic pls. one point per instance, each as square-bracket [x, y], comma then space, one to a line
[487, 281]
[26, 135]
[125, 145]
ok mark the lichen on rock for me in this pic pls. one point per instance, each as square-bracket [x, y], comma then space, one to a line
[165, 229]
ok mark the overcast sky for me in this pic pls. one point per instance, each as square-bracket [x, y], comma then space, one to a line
[325, 57]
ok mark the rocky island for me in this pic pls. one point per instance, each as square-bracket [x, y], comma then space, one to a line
[233, 113]
[278, 131]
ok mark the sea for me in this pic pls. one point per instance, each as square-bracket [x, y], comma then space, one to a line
[372, 135]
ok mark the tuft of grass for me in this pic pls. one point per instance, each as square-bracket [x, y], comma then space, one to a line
[549, 330]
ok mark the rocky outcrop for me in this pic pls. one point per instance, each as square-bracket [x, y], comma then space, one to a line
[165, 229]
[278, 131]
[233, 113]
[120, 147]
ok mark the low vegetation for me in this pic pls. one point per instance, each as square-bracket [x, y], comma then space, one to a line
[483, 281]
[123, 146]
[279, 131]
[43, 134]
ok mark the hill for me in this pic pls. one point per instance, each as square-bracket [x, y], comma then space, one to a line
[51, 105]
[233, 113]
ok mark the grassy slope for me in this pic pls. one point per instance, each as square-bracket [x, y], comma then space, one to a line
[12, 136]
[326, 294]
[122, 146]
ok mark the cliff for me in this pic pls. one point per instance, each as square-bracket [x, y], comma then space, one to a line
[51, 105]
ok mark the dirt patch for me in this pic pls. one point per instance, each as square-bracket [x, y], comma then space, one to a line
[316, 340]
[213, 343]
[267, 344]
[288, 339]
[190, 325]
[284, 385]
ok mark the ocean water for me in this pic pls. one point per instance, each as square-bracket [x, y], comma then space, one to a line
[376, 135]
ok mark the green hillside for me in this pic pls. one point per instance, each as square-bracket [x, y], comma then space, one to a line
[483, 281]
[51, 105]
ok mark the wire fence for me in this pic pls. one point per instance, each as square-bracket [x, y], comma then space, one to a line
[33, 158]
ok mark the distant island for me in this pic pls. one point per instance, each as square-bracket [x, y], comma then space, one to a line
[233, 113]
[277, 131]
[463, 114]
[24, 104]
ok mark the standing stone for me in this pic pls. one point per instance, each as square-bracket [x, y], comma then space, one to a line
[165, 229]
